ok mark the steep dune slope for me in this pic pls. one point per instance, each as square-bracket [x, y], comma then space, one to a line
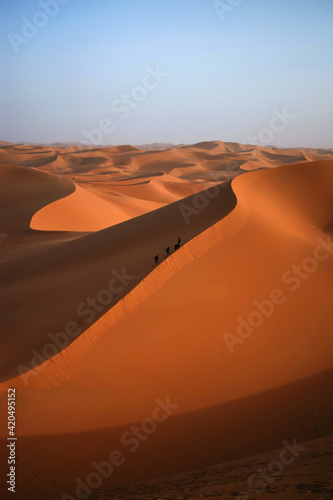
[48, 286]
[25, 191]
[235, 393]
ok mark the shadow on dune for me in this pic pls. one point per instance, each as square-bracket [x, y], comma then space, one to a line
[165, 166]
[37, 162]
[213, 435]
[141, 176]
[131, 245]
[23, 192]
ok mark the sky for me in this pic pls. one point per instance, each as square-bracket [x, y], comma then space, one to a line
[178, 71]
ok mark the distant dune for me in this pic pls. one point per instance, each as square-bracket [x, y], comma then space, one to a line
[233, 324]
[156, 146]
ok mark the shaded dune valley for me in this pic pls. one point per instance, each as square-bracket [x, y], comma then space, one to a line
[166, 321]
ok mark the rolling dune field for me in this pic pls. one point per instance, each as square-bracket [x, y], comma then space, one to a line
[166, 319]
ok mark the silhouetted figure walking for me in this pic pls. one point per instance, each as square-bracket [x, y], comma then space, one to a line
[156, 259]
[167, 250]
[176, 247]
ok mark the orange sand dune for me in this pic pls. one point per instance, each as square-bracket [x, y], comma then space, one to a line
[88, 210]
[87, 263]
[23, 192]
[120, 163]
[176, 333]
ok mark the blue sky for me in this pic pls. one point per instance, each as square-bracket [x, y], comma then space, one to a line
[227, 73]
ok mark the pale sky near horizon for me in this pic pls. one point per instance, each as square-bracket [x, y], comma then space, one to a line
[83, 71]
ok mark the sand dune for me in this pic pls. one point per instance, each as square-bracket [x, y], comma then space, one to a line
[23, 192]
[121, 162]
[305, 477]
[78, 275]
[87, 210]
[132, 244]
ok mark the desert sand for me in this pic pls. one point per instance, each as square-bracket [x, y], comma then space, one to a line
[233, 328]
[304, 478]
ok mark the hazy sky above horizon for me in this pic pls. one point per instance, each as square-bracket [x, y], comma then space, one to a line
[87, 73]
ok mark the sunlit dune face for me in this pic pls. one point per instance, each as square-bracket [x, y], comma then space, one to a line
[94, 325]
